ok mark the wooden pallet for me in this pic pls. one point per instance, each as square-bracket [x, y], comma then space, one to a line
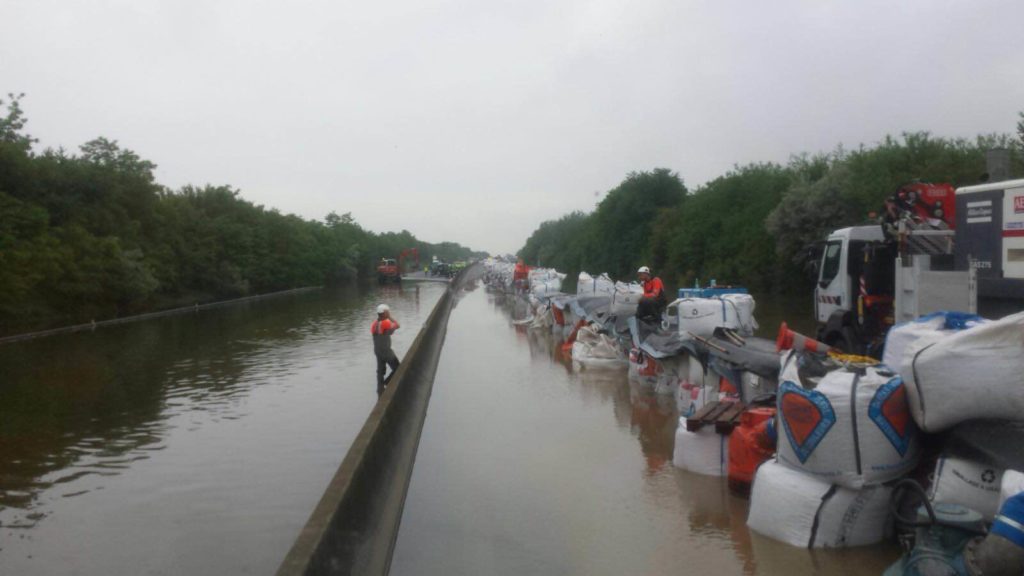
[723, 415]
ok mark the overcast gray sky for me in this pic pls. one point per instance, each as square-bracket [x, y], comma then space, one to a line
[473, 121]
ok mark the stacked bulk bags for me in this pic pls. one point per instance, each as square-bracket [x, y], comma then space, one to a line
[703, 451]
[839, 442]
[853, 429]
[971, 374]
[801, 510]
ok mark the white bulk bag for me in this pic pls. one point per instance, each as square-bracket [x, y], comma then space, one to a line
[702, 452]
[673, 370]
[743, 308]
[593, 349]
[690, 397]
[549, 286]
[800, 510]
[1011, 485]
[852, 429]
[542, 274]
[695, 388]
[545, 280]
[753, 385]
[625, 298]
[584, 284]
[967, 483]
[542, 318]
[971, 374]
[700, 316]
[587, 285]
[924, 330]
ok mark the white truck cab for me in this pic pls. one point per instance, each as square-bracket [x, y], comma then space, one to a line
[838, 277]
[858, 297]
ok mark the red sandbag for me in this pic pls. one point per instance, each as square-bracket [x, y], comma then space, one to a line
[750, 444]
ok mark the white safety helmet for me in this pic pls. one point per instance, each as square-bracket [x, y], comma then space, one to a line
[383, 308]
[644, 270]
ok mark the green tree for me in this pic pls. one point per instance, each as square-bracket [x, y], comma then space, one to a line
[1020, 132]
[93, 235]
[12, 125]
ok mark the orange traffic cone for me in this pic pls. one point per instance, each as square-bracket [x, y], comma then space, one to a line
[789, 340]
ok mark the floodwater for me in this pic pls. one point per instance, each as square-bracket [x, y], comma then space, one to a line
[525, 467]
[199, 444]
[194, 444]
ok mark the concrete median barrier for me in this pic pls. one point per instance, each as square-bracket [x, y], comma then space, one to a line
[353, 528]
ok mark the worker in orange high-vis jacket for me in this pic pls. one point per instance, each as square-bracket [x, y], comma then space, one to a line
[654, 300]
[382, 329]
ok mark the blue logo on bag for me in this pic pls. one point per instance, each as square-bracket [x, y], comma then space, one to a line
[807, 416]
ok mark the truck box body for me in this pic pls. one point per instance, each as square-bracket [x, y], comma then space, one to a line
[990, 235]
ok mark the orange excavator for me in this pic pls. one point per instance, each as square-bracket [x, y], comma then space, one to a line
[390, 270]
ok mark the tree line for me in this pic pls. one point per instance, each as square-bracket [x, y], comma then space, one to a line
[755, 224]
[92, 235]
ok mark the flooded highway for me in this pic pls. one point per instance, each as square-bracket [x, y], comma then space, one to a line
[525, 467]
[199, 444]
[194, 444]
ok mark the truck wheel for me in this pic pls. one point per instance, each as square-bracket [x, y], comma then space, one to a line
[844, 340]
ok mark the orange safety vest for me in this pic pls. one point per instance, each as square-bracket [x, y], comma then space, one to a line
[653, 288]
[381, 330]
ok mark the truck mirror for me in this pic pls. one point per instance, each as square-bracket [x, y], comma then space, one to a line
[812, 263]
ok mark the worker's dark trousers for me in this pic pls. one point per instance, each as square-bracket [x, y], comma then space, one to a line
[383, 361]
[649, 309]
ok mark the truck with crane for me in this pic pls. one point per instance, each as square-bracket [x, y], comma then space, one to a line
[937, 248]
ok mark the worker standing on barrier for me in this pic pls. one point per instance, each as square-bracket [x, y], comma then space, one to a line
[382, 329]
[653, 302]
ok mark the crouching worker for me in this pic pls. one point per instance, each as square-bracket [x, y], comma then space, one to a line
[382, 330]
[653, 302]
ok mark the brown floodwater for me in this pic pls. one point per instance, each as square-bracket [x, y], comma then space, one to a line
[525, 467]
[195, 444]
[199, 444]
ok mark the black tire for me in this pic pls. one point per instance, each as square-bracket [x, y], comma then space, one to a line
[845, 341]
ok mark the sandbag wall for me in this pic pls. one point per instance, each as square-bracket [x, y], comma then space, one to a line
[843, 436]
[965, 373]
[846, 434]
[819, 464]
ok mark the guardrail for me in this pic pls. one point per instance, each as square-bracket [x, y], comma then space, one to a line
[354, 527]
[150, 315]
